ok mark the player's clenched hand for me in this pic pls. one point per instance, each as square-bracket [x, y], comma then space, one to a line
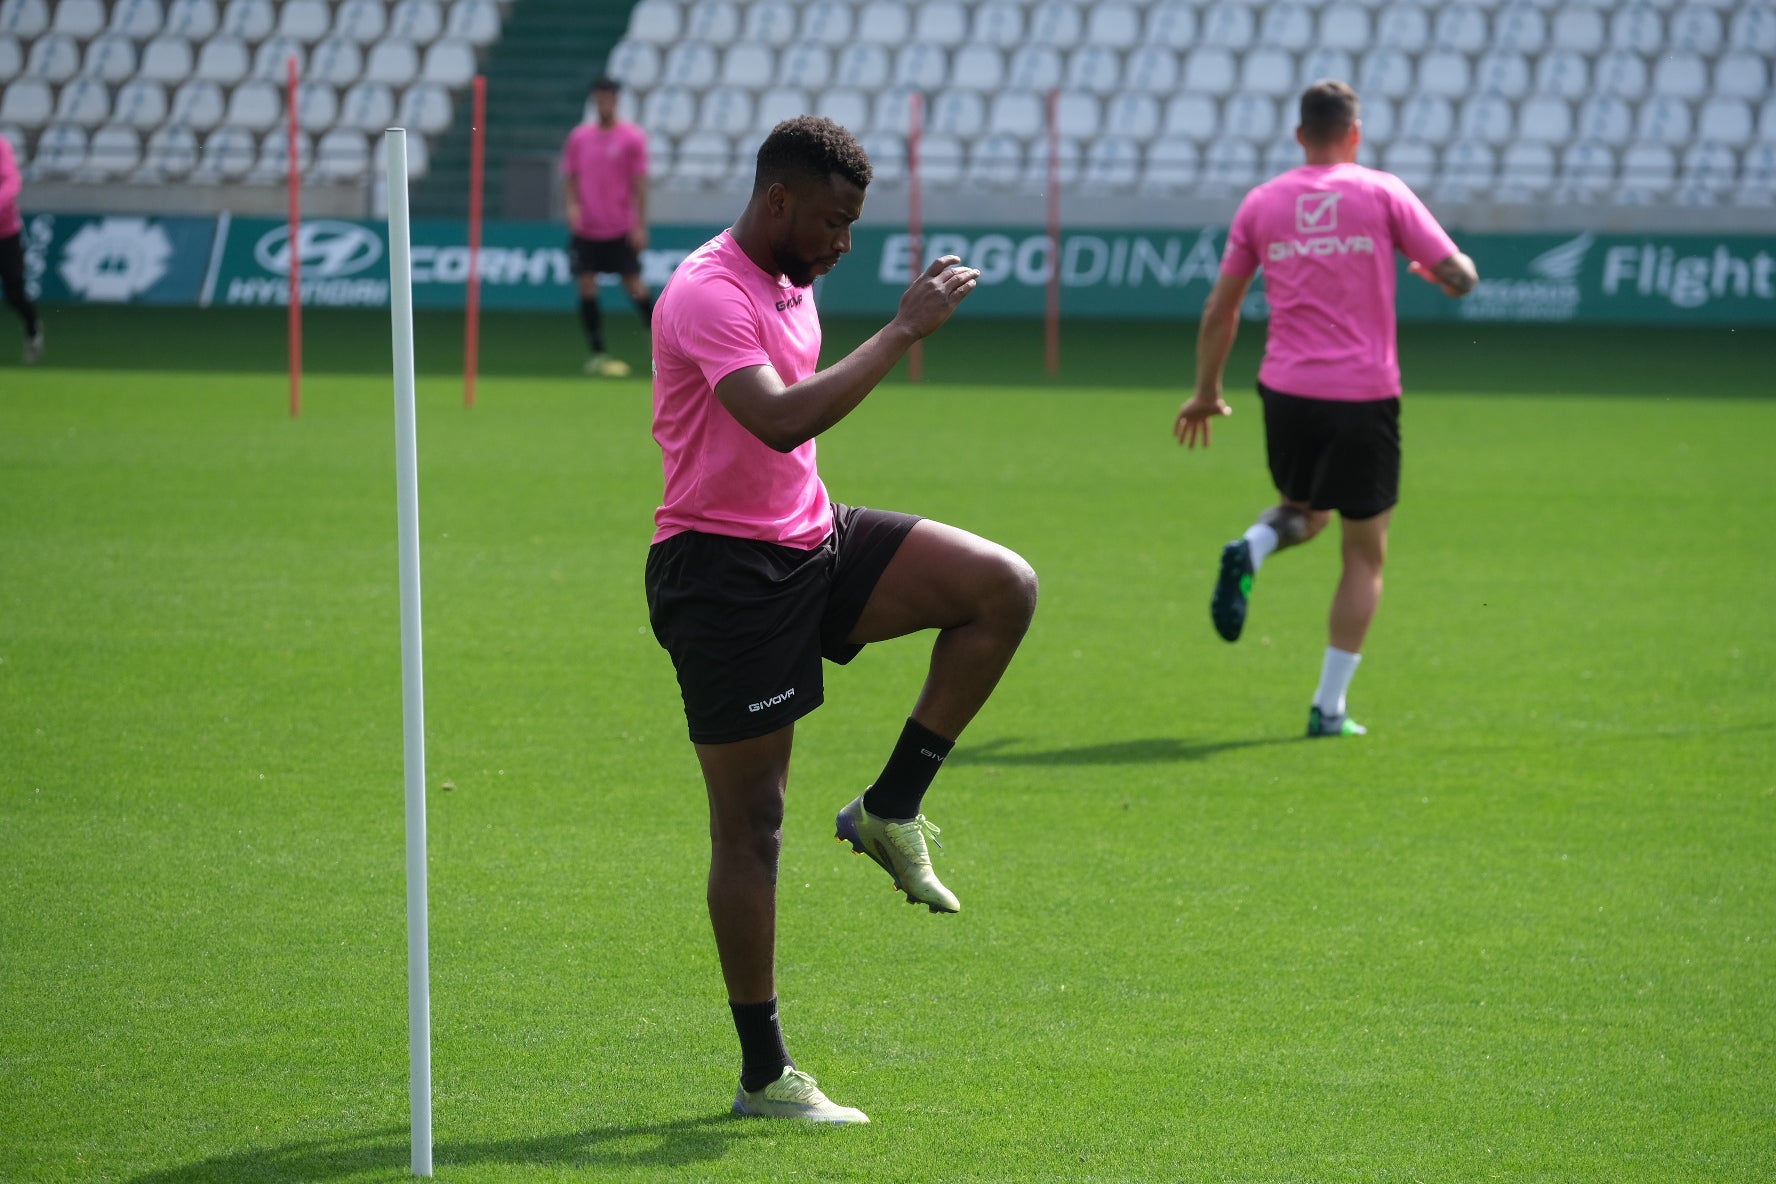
[936, 293]
[1196, 414]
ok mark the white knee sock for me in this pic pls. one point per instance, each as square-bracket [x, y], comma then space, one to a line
[1262, 539]
[1336, 673]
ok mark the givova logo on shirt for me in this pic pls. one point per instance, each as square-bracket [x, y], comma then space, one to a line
[1315, 215]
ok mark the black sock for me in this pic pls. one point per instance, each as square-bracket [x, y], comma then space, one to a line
[593, 321]
[645, 306]
[908, 773]
[762, 1055]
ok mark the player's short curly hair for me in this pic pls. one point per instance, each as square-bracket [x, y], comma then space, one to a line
[1328, 110]
[811, 147]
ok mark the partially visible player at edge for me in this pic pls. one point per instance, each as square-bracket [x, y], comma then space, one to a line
[604, 175]
[754, 575]
[12, 252]
[1325, 234]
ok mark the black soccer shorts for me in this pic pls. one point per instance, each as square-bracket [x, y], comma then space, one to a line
[748, 622]
[1334, 454]
[602, 256]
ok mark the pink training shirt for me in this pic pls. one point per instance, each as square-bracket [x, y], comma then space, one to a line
[604, 165]
[10, 185]
[721, 312]
[1325, 236]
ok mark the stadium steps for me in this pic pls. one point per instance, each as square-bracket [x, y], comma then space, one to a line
[537, 74]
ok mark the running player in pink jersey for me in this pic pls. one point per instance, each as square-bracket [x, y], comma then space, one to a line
[755, 575]
[604, 171]
[12, 252]
[1325, 234]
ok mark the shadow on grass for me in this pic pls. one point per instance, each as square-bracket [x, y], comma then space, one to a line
[1157, 751]
[386, 1153]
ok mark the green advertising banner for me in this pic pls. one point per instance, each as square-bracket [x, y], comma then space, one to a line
[1146, 274]
[111, 260]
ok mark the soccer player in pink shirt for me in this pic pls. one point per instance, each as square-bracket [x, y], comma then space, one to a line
[1325, 234]
[12, 252]
[755, 575]
[604, 171]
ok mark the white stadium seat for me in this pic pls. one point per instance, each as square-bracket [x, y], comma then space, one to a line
[891, 111]
[1467, 171]
[139, 103]
[725, 109]
[166, 59]
[1526, 172]
[84, 102]
[1114, 23]
[1664, 120]
[227, 155]
[941, 22]
[1345, 26]
[1249, 117]
[1545, 119]
[193, 20]
[995, 162]
[844, 106]
[1403, 27]
[255, 106]
[1229, 167]
[53, 57]
[827, 22]
[250, 20]
[1506, 74]
[272, 164]
[1587, 168]
[336, 62]
[1192, 117]
[112, 152]
[771, 21]
[306, 21]
[1564, 73]
[1059, 23]
[864, 66]
[671, 110]
[977, 67]
[1171, 24]
[1229, 24]
[1133, 115]
[223, 59]
[1605, 118]
[1171, 164]
[171, 152]
[1034, 67]
[80, 19]
[1649, 171]
[655, 22]
[341, 154]
[1461, 28]
[1112, 163]
[1430, 118]
[449, 62]
[1413, 161]
[1486, 119]
[941, 160]
[474, 21]
[1444, 72]
[1386, 73]
[807, 65]
[1210, 70]
[694, 64]
[317, 106]
[1037, 166]
[1268, 71]
[136, 19]
[1638, 28]
[748, 64]
[110, 58]
[418, 21]
[922, 65]
[999, 23]
[12, 57]
[1094, 68]
[961, 113]
[1152, 69]
[703, 158]
[885, 23]
[361, 22]
[1019, 113]
[1581, 30]
[61, 151]
[1709, 166]
[1287, 25]
[1681, 75]
[367, 107]
[888, 156]
[778, 104]
[716, 21]
[1724, 120]
[392, 62]
[1753, 29]
[198, 104]
[271, 61]
[24, 18]
[1380, 119]
[1080, 116]
[27, 103]
[1741, 74]
[636, 64]
[1518, 28]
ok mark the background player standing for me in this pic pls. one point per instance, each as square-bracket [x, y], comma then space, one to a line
[754, 575]
[604, 168]
[12, 252]
[1325, 234]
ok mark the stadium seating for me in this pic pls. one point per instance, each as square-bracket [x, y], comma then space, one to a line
[1475, 100]
[152, 91]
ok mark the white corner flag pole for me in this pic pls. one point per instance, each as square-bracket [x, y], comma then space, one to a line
[419, 1001]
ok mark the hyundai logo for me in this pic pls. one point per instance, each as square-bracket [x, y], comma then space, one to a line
[327, 249]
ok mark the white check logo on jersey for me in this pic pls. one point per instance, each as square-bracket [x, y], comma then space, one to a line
[1316, 213]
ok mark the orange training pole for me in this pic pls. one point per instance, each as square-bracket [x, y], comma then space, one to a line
[295, 245]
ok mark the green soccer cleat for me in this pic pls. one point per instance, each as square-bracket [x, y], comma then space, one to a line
[900, 848]
[794, 1095]
[1227, 607]
[1320, 724]
[605, 366]
[34, 346]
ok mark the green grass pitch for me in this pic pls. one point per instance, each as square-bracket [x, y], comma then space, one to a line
[1523, 931]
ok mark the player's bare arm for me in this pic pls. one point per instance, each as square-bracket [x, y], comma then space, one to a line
[785, 417]
[1456, 275]
[1215, 335]
[638, 237]
[570, 193]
